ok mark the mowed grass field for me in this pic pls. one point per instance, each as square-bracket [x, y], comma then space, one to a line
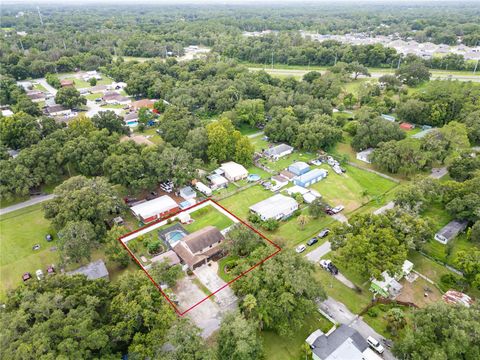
[208, 216]
[241, 201]
[352, 189]
[19, 232]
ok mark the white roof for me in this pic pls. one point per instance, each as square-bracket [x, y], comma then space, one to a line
[274, 206]
[297, 190]
[407, 267]
[202, 187]
[218, 179]
[233, 169]
[154, 207]
[309, 197]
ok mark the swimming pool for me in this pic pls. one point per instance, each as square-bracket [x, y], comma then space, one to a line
[253, 177]
[132, 123]
[174, 236]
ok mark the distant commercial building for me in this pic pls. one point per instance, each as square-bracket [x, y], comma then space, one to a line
[276, 207]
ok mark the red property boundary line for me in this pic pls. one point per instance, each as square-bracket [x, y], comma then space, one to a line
[179, 313]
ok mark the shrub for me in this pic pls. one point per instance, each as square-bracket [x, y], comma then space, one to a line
[153, 246]
[270, 225]
[372, 312]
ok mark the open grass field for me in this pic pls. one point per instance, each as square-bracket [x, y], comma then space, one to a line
[290, 347]
[80, 83]
[246, 129]
[240, 202]
[152, 135]
[93, 96]
[19, 232]
[352, 189]
[288, 160]
[208, 216]
[258, 143]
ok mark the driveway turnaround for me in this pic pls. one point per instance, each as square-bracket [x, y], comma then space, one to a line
[207, 275]
[319, 252]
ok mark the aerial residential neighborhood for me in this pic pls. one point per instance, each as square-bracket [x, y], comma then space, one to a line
[239, 180]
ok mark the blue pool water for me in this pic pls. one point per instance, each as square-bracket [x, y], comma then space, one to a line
[174, 236]
[132, 123]
[253, 177]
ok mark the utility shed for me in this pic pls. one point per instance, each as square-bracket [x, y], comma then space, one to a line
[157, 208]
[450, 231]
[310, 177]
[233, 171]
[94, 270]
[276, 207]
[299, 168]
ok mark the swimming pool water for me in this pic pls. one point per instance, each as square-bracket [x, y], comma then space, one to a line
[174, 236]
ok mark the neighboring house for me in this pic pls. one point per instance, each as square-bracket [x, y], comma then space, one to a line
[112, 97]
[187, 193]
[276, 152]
[276, 207]
[131, 119]
[94, 270]
[310, 177]
[233, 171]
[299, 168]
[390, 287]
[67, 83]
[36, 95]
[204, 189]
[157, 208]
[287, 174]
[217, 181]
[311, 196]
[279, 181]
[297, 190]
[407, 126]
[57, 110]
[91, 75]
[197, 248]
[450, 231]
[365, 155]
[144, 103]
[344, 343]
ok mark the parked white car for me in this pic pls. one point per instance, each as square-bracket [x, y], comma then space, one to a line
[337, 209]
[300, 248]
[324, 263]
[375, 345]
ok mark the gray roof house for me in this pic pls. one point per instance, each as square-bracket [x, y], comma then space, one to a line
[344, 343]
[450, 231]
[276, 207]
[94, 270]
[276, 152]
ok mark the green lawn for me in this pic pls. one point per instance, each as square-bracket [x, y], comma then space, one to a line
[427, 267]
[39, 87]
[246, 129]
[152, 132]
[290, 347]
[348, 189]
[258, 143]
[19, 232]
[93, 96]
[286, 161]
[376, 319]
[208, 216]
[240, 202]
[80, 83]
[255, 170]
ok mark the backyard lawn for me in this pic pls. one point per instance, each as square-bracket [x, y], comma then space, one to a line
[286, 161]
[352, 189]
[241, 201]
[258, 143]
[208, 216]
[19, 232]
[93, 96]
[290, 346]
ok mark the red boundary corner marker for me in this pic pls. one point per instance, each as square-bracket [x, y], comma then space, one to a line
[278, 249]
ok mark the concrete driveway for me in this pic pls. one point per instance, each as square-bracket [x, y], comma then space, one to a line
[319, 252]
[225, 298]
[32, 201]
[342, 315]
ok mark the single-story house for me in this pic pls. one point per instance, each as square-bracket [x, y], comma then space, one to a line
[217, 181]
[276, 207]
[57, 110]
[67, 83]
[451, 231]
[26, 85]
[91, 75]
[144, 103]
[310, 177]
[36, 95]
[94, 270]
[287, 174]
[233, 171]
[279, 181]
[343, 343]
[197, 248]
[365, 155]
[204, 189]
[157, 208]
[407, 126]
[131, 119]
[187, 193]
[169, 256]
[112, 97]
[278, 151]
[299, 168]
[310, 197]
[390, 286]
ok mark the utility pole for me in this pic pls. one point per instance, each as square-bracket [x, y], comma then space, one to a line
[272, 59]
[476, 66]
[399, 60]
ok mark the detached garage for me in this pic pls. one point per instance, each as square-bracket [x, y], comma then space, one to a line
[310, 177]
[155, 209]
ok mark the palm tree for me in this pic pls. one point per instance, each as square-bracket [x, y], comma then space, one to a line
[302, 220]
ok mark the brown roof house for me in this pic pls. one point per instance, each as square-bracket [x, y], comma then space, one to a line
[197, 248]
[67, 83]
[144, 103]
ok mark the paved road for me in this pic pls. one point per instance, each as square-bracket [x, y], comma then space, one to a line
[384, 208]
[47, 86]
[94, 109]
[32, 201]
[438, 173]
[300, 73]
[255, 134]
[342, 315]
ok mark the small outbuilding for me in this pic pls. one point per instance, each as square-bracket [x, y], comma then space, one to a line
[155, 209]
[278, 151]
[365, 155]
[451, 231]
[204, 189]
[310, 177]
[187, 193]
[299, 168]
[233, 171]
[278, 182]
[217, 181]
